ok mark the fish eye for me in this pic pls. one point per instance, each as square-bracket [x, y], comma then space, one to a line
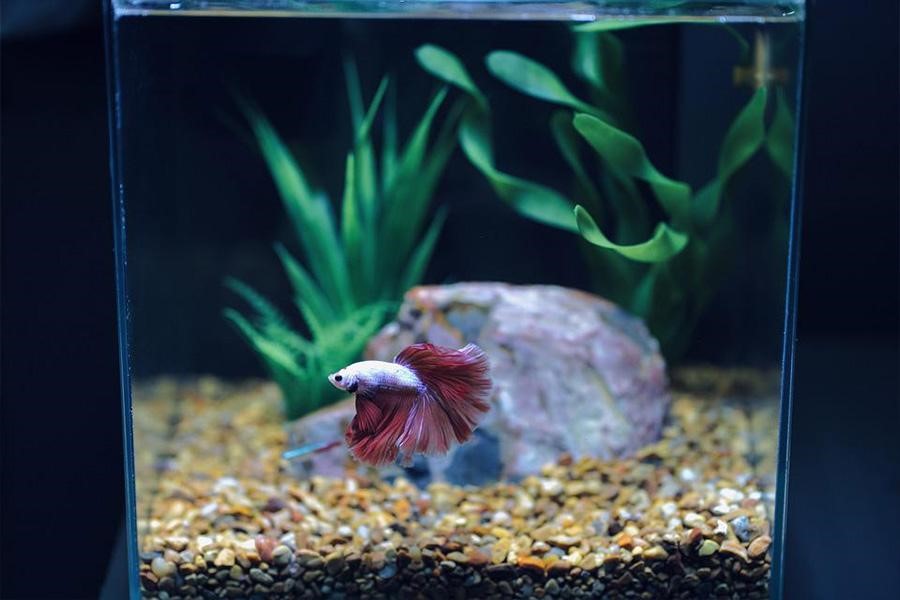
[338, 377]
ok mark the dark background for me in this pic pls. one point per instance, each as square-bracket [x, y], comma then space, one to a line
[62, 482]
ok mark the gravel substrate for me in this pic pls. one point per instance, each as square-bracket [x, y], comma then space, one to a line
[220, 515]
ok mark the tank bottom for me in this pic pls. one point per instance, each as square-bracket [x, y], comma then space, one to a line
[222, 516]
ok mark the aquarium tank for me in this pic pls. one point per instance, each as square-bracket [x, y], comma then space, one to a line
[453, 298]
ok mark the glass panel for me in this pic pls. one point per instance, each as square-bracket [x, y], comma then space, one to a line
[596, 196]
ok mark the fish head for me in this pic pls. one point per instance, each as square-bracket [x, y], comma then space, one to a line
[345, 379]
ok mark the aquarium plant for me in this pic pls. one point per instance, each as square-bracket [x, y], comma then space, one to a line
[355, 269]
[664, 270]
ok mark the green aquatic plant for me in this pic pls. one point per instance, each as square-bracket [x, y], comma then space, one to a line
[665, 270]
[354, 273]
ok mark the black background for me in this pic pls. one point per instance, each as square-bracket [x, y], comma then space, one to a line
[62, 475]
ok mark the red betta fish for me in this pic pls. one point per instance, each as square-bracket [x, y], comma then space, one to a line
[422, 402]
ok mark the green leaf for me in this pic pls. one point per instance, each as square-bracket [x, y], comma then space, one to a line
[265, 309]
[741, 142]
[610, 25]
[613, 24]
[310, 213]
[567, 141]
[534, 79]
[365, 174]
[412, 154]
[780, 139]
[362, 132]
[407, 198]
[306, 291]
[598, 58]
[421, 256]
[446, 66]
[664, 244]
[352, 225]
[625, 153]
[389, 139]
[535, 201]
[273, 353]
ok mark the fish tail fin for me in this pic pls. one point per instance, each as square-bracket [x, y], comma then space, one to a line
[456, 385]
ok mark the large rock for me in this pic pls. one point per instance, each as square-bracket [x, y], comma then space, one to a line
[572, 373]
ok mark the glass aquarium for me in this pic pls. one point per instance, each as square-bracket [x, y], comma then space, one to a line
[455, 299]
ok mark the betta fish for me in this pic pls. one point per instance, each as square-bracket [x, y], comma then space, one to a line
[425, 400]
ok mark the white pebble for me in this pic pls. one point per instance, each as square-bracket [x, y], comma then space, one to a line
[363, 532]
[501, 517]
[668, 509]
[731, 495]
[721, 527]
[246, 545]
[209, 510]
[687, 474]
[225, 483]
[551, 487]
[674, 523]
[345, 531]
[721, 509]
[289, 540]
[692, 519]
[204, 542]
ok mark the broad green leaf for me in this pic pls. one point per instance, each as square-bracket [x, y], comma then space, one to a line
[617, 24]
[625, 153]
[446, 66]
[421, 256]
[535, 201]
[743, 139]
[665, 243]
[780, 139]
[310, 213]
[534, 79]
[567, 141]
[610, 25]
[598, 58]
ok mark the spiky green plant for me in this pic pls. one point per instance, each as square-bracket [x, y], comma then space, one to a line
[353, 274]
[664, 271]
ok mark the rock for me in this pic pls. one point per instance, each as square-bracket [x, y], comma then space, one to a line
[572, 372]
[741, 527]
[707, 548]
[161, 567]
[735, 549]
[759, 546]
[334, 562]
[282, 555]
[260, 576]
[552, 587]
[225, 558]
[264, 547]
